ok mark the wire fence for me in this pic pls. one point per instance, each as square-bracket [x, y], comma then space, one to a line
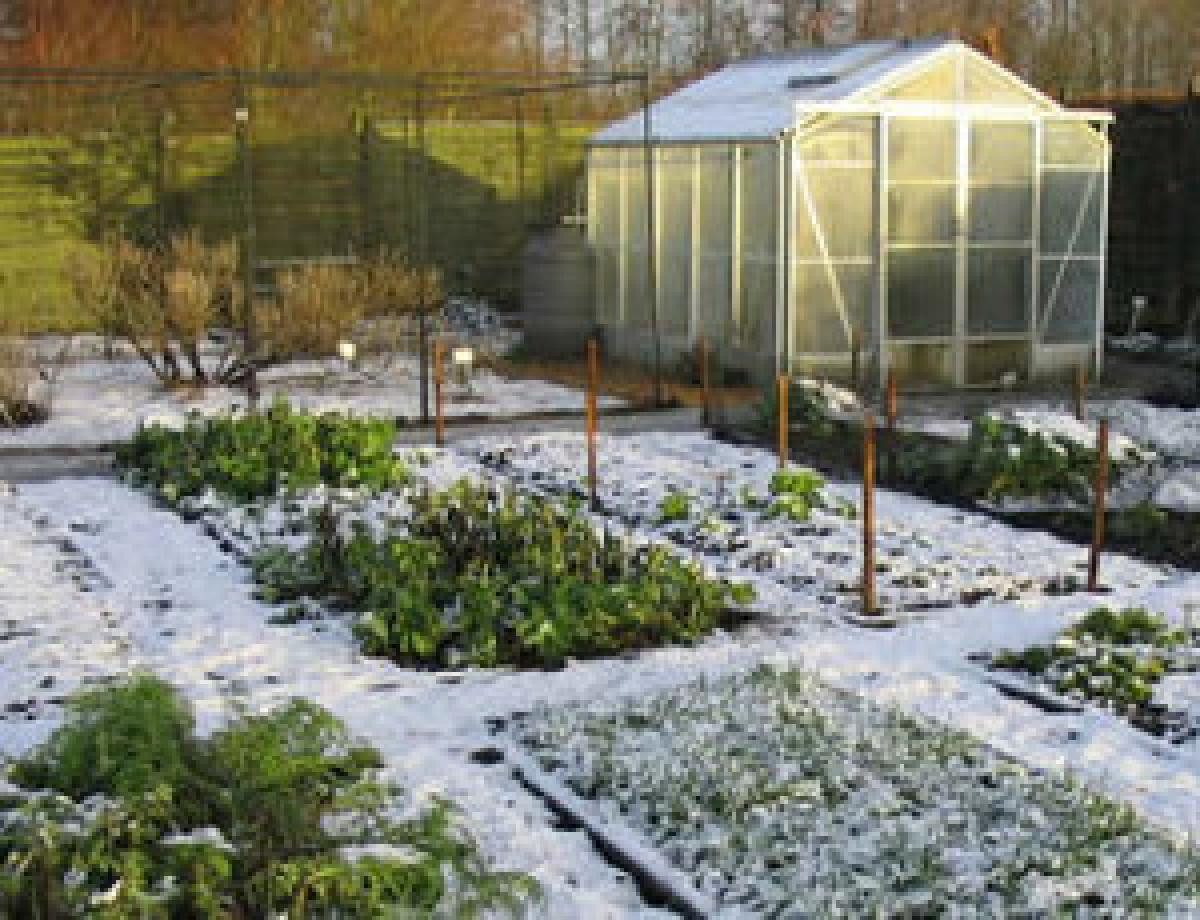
[445, 170]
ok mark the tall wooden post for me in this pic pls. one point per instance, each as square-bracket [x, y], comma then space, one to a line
[593, 371]
[249, 235]
[783, 386]
[705, 380]
[439, 421]
[1101, 502]
[870, 606]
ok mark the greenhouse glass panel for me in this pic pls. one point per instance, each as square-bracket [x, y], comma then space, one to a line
[1001, 213]
[1002, 152]
[604, 227]
[637, 268]
[998, 291]
[675, 240]
[938, 82]
[922, 149]
[984, 84]
[922, 363]
[830, 303]
[838, 140]
[922, 291]
[922, 213]
[1072, 213]
[714, 242]
[758, 224]
[835, 209]
[1073, 143]
[1070, 290]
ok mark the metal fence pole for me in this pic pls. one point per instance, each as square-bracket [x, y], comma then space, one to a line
[241, 117]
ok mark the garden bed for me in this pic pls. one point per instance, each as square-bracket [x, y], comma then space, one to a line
[773, 791]
[1047, 488]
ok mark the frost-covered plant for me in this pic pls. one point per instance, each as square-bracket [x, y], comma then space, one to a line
[275, 814]
[1111, 657]
[796, 493]
[675, 506]
[779, 795]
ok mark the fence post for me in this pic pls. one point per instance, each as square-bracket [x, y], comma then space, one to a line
[1100, 488]
[855, 360]
[423, 362]
[705, 380]
[593, 377]
[439, 417]
[783, 387]
[241, 119]
[1080, 392]
[868, 516]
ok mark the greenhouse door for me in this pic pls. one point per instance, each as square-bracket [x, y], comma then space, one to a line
[959, 254]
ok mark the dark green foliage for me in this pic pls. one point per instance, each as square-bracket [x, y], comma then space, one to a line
[252, 456]
[282, 795]
[805, 407]
[1003, 460]
[488, 579]
[797, 492]
[1109, 656]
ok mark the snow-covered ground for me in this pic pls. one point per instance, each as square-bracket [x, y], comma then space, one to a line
[97, 401]
[163, 596]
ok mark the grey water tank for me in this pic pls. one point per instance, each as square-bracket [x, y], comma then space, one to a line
[557, 300]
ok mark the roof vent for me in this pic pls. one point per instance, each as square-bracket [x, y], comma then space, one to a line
[811, 81]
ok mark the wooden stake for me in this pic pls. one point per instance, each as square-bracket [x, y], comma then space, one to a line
[1080, 392]
[868, 516]
[783, 387]
[892, 400]
[705, 380]
[593, 369]
[1101, 501]
[439, 419]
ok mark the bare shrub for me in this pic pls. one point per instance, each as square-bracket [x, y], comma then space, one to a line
[319, 307]
[163, 302]
[20, 403]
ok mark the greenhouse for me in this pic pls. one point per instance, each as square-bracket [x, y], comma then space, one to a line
[903, 205]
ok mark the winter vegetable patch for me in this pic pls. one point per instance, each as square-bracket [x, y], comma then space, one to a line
[781, 796]
[473, 575]
[278, 814]
[253, 455]
[1114, 658]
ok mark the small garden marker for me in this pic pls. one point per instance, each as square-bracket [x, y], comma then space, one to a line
[439, 420]
[593, 371]
[783, 385]
[1101, 490]
[868, 516]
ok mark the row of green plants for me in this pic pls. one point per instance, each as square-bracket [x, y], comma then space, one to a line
[477, 577]
[253, 455]
[125, 812]
[794, 494]
[1111, 657]
[999, 460]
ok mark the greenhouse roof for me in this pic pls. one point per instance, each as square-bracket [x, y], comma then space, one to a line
[759, 98]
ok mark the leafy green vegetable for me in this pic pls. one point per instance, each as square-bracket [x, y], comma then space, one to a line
[262, 819]
[254, 455]
[476, 577]
[675, 506]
